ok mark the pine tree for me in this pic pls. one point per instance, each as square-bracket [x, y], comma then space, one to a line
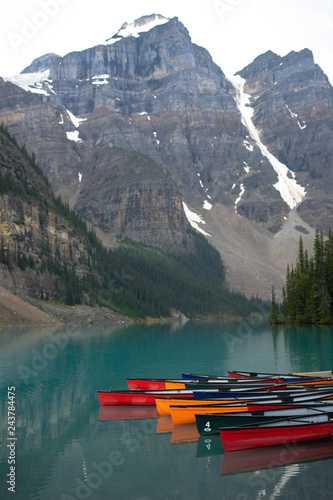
[274, 316]
[301, 258]
[2, 251]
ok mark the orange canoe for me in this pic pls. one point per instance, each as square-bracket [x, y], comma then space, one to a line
[163, 404]
[186, 414]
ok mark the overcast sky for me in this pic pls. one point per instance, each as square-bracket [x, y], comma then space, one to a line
[234, 31]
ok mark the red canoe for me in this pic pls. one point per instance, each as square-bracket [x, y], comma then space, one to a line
[138, 398]
[154, 384]
[277, 433]
[258, 406]
[149, 384]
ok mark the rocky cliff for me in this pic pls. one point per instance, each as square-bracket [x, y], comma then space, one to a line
[126, 193]
[292, 101]
[35, 240]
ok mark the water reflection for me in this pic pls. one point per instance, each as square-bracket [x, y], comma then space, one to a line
[184, 434]
[209, 446]
[275, 456]
[127, 412]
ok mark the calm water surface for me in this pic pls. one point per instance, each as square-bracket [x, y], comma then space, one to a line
[68, 447]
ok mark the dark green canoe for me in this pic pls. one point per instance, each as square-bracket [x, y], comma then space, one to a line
[210, 423]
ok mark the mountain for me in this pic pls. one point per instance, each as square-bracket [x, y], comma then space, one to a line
[292, 100]
[145, 135]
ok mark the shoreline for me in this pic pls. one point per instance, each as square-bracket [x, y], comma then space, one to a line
[16, 310]
[19, 310]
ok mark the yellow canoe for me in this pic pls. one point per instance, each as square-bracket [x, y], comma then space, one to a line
[163, 404]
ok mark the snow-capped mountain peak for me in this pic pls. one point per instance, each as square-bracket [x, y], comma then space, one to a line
[141, 25]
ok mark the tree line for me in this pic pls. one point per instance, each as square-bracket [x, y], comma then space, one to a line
[307, 296]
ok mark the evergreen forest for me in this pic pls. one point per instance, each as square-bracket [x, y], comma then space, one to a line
[307, 296]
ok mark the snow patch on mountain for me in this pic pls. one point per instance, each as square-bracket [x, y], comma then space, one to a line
[248, 145]
[194, 219]
[246, 167]
[295, 115]
[74, 119]
[32, 82]
[141, 25]
[301, 126]
[242, 191]
[207, 205]
[291, 192]
[100, 79]
[73, 136]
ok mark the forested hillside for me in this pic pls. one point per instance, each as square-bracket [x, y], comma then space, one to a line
[51, 253]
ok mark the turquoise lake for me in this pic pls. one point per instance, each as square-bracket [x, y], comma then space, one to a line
[68, 447]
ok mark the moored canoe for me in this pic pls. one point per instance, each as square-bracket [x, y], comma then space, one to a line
[145, 384]
[163, 404]
[324, 374]
[167, 384]
[226, 379]
[182, 415]
[279, 432]
[286, 376]
[262, 391]
[259, 406]
[138, 398]
[210, 423]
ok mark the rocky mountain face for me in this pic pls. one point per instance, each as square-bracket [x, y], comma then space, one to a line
[128, 130]
[127, 193]
[32, 233]
[293, 110]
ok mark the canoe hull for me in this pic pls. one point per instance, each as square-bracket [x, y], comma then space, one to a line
[146, 384]
[135, 398]
[163, 404]
[208, 424]
[242, 438]
[186, 414]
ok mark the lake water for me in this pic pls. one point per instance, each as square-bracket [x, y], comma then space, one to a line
[68, 447]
